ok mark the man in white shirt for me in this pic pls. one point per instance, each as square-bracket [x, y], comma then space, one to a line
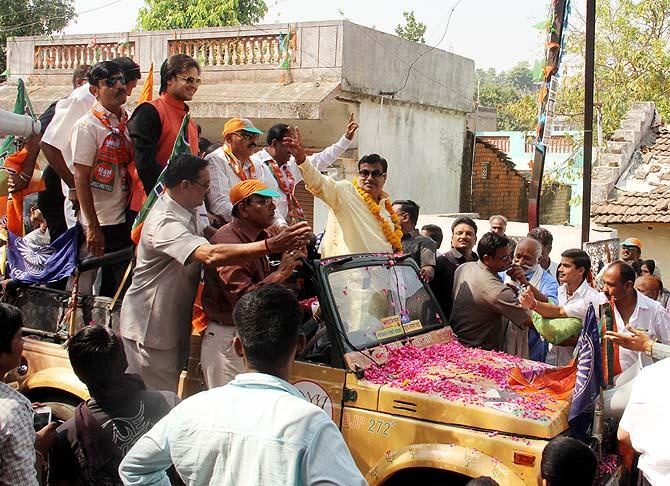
[634, 309]
[101, 152]
[257, 429]
[575, 295]
[279, 169]
[645, 426]
[230, 164]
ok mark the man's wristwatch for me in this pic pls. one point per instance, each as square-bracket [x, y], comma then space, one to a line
[649, 348]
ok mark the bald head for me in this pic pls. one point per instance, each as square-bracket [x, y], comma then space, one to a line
[648, 285]
[527, 253]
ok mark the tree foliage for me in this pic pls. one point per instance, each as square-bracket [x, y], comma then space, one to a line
[189, 14]
[512, 93]
[413, 30]
[632, 59]
[32, 17]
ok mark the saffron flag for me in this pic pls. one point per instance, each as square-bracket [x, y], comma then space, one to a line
[12, 144]
[180, 146]
[43, 264]
[147, 93]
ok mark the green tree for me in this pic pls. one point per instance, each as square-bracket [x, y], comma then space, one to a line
[189, 14]
[512, 93]
[632, 61]
[412, 30]
[32, 17]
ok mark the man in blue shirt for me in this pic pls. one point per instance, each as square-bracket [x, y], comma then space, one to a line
[258, 428]
[528, 273]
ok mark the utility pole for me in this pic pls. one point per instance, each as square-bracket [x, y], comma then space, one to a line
[588, 117]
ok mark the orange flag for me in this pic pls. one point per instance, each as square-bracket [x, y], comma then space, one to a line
[147, 93]
[557, 382]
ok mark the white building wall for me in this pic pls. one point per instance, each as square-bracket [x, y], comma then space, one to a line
[424, 149]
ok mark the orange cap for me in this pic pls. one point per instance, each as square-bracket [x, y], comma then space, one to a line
[242, 190]
[238, 124]
[632, 242]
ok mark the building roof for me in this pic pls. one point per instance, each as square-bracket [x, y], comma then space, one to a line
[635, 207]
[652, 168]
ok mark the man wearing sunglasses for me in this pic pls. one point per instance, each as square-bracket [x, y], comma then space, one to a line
[101, 152]
[361, 219]
[253, 212]
[155, 125]
[231, 164]
[481, 299]
[55, 141]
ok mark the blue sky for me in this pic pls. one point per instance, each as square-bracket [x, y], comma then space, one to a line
[495, 33]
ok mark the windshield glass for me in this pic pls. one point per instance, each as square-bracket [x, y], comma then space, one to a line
[383, 303]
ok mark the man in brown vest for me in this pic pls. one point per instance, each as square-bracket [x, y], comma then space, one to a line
[155, 125]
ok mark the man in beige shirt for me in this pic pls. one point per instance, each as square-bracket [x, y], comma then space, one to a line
[362, 219]
[481, 299]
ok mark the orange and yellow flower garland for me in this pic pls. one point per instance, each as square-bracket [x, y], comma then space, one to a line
[393, 235]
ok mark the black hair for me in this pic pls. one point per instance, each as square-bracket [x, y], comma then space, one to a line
[435, 233]
[568, 462]
[103, 70]
[10, 322]
[637, 266]
[490, 243]
[580, 258]
[626, 271]
[211, 148]
[542, 235]
[410, 207]
[80, 72]
[277, 132]
[650, 264]
[97, 356]
[184, 167]
[131, 70]
[268, 323]
[373, 159]
[173, 65]
[464, 220]
[482, 481]
[203, 144]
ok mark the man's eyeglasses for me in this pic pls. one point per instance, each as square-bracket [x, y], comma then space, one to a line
[111, 82]
[247, 135]
[367, 173]
[190, 80]
[507, 258]
[205, 186]
[265, 201]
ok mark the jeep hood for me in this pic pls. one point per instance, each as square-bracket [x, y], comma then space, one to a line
[451, 384]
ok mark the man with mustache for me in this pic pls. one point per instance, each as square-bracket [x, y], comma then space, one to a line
[527, 272]
[253, 212]
[101, 152]
[231, 164]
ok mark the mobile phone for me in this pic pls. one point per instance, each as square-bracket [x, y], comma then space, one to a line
[42, 417]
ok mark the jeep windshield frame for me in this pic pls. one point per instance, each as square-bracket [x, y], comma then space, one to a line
[382, 284]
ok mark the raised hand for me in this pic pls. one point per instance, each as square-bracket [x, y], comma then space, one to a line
[294, 144]
[352, 126]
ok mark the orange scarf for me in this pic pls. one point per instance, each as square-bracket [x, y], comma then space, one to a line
[237, 166]
[114, 154]
[294, 209]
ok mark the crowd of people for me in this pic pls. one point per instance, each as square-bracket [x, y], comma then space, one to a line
[225, 210]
